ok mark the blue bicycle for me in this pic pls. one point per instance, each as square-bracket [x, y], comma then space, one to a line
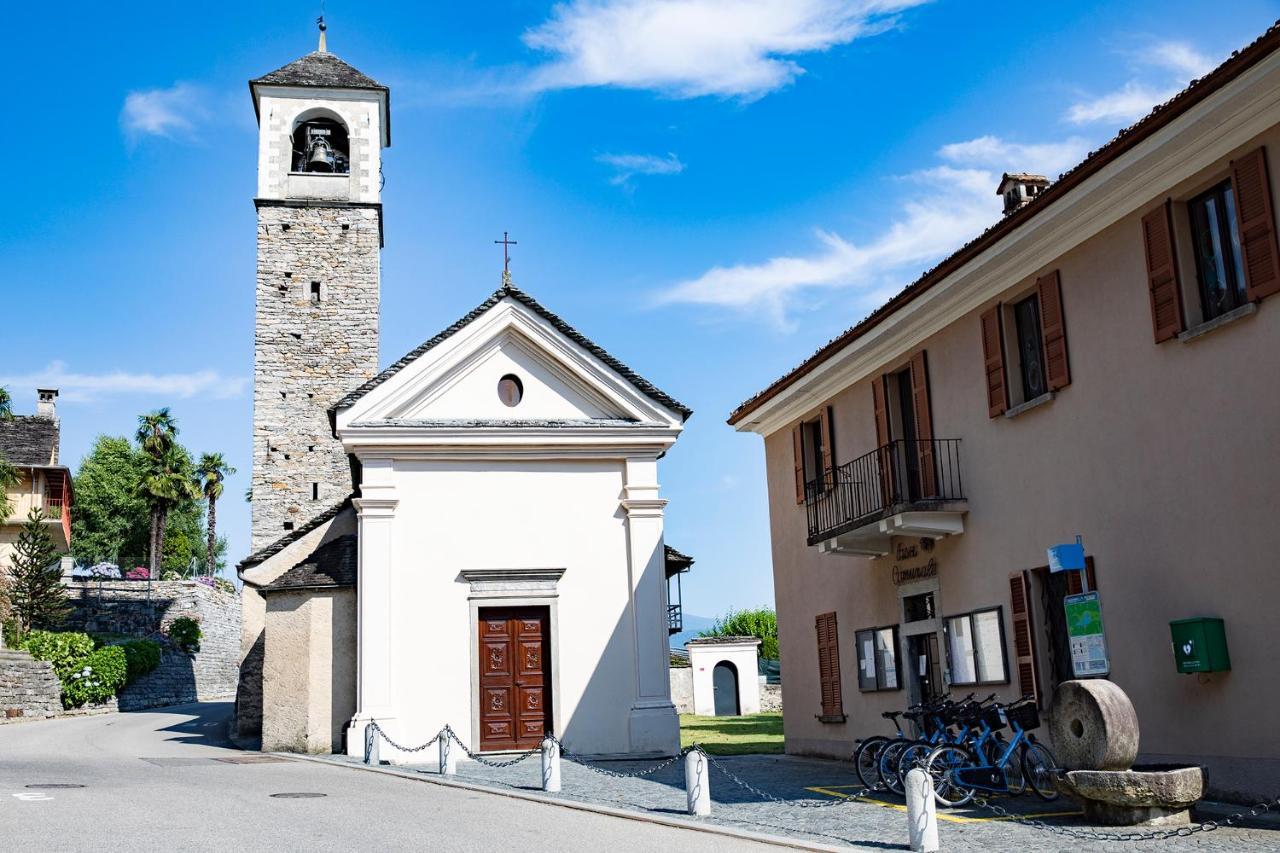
[959, 771]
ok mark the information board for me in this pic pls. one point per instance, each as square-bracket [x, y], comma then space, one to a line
[1086, 635]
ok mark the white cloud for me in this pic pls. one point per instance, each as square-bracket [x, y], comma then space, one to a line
[948, 205]
[627, 166]
[1179, 63]
[175, 111]
[690, 48]
[88, 387]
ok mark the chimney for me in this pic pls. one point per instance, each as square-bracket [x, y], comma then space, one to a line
[1019, 188]
[46, 402]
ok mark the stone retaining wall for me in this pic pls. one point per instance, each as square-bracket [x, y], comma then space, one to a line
[122, 607]
[28, 688]
[771, 698]
[682, 689]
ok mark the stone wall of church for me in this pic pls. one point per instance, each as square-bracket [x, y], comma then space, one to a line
[316, 340]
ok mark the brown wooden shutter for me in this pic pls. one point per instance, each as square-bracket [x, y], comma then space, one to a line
[880, 399]
[993, 357]
[924, 425]
[1162, 273]
[1074, 585]
[1024, 644]
[829, 667]
[797, 445]
[1257, 224]
[1053, 329]
[828, 447]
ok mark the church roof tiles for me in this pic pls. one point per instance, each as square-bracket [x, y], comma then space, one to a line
[319, 68]
[510, 290]
[333, 564]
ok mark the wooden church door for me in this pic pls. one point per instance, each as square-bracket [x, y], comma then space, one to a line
[515, 678]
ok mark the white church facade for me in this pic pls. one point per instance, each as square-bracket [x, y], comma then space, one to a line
[472, 536]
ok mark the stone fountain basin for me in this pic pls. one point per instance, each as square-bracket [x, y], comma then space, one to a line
[1146, 794]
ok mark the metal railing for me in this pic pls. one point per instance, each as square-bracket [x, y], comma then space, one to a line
[898, 475]
[675, 619]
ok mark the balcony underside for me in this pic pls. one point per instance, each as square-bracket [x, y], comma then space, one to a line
[871, 537]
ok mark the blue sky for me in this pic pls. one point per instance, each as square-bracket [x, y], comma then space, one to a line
[710, 189]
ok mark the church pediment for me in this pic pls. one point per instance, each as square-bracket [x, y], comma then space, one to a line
[509, 362]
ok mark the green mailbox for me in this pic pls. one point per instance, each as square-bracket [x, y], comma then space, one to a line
[1200, 645]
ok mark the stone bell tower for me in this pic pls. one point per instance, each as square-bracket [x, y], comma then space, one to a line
[322, 127]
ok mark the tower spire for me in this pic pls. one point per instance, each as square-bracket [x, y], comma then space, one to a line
[323, 26]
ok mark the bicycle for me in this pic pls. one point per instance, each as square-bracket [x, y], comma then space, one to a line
[959, 771]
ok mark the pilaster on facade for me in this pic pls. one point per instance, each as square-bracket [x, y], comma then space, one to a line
[375, 651]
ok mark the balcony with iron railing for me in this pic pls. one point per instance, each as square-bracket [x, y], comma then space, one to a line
[902, 488]
[675, 619]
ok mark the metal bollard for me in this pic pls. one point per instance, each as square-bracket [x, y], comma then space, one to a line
[550, 766]
[697, 783]
[448, 756]
[371, 740]
[922, 812]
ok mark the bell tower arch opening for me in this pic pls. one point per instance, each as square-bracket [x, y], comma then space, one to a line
[321, 143]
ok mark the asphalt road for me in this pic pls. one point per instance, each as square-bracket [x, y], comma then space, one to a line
[154, 781]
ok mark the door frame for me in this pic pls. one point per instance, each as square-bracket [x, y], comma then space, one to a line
[907, 630]
[512, 588]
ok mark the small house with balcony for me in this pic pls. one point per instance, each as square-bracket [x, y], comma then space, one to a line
[1101, 363]
[30, 443]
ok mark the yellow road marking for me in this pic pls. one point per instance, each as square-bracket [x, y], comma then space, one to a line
[832, 791]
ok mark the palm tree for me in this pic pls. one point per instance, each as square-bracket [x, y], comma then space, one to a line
[6, 405]
[157, 436]
[211, 471]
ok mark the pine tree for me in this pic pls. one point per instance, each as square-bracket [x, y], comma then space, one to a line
[34, 583]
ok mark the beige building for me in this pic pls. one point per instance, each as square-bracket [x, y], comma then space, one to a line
[30, 444]
[1101, 362]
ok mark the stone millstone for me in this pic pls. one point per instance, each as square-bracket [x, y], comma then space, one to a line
[1094, 726]
[1132, 797]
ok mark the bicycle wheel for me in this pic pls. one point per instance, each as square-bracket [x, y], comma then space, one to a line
[888, 766]
[866, 761]
[1013, 770]
[1041, 771]
[941, 762]
[913, 755]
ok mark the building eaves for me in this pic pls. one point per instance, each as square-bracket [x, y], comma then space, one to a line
[510, 290]
[293, 535]
[1198, 90]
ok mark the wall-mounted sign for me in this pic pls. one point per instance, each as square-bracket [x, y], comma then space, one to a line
[909, 574]
[1086, 635]
[1068, 557]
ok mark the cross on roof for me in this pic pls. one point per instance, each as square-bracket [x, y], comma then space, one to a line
[507, 243]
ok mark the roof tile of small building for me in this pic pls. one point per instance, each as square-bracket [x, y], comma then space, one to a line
[333, 564]
[29, 440]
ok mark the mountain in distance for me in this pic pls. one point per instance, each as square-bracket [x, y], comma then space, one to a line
[693, 625]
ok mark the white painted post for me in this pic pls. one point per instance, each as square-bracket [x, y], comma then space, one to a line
[922, 812]
[448, 756]
[697, 784]
[550, 766]
[371, 741]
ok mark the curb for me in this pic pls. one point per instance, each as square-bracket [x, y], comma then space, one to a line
[578, 805]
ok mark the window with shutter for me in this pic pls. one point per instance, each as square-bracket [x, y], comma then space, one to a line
[1024, 645]
[1053, 326]
[827, 432]
[993, 358]
[1257, 224]
[924, 425]
[1162, 273]
[797, 443]
[829, 669]
[1075, 583]
[880, 401]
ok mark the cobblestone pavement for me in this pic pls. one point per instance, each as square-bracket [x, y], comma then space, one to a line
[860, 825]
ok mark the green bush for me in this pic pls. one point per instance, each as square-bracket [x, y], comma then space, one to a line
[66, 650]
[762, 623]
[185, 633]
[97, 679]
[142, 656]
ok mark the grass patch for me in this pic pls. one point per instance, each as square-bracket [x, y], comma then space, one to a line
[757, 734]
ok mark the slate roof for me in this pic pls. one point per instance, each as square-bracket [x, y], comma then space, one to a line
[289, 538]
[1239, 62]
[319, 69]
[677, 562]
[510, 290]
[29, 440]
[333, 564]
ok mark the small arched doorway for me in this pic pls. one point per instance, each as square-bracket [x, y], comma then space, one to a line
[724, 682]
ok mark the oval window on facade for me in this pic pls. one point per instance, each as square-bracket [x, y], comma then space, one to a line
[510, 390]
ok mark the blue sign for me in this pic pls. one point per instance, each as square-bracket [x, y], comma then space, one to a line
[1064, 558]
